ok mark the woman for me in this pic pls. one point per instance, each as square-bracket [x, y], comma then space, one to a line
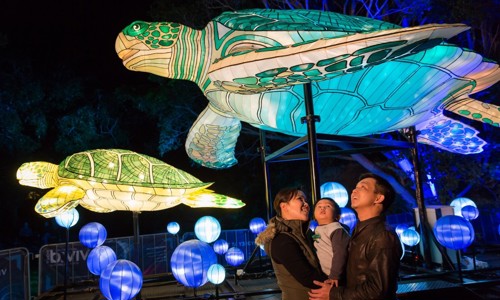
[287, 240]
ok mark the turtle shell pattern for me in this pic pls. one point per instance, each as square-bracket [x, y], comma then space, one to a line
[312, 27]
[116, 169]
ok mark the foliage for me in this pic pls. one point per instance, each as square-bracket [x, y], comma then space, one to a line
[22, 128]
[472, 176]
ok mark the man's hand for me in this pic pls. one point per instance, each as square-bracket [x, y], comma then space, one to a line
[323, 293]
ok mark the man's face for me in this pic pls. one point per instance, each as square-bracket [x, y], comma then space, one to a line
[364, 195]
[323, 212]
[296, 209]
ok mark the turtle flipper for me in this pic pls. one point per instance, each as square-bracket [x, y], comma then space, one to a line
[58, 200]
[476, 110]
[450, 135]
[212, 138]
[207, 198]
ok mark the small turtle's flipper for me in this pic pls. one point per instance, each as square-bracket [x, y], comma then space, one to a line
[58, 200]
[212, 138]
[450, 135]
[38, 174]
[207, 198]
[476, 110]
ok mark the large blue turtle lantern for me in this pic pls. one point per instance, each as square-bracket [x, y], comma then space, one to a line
[367, 77]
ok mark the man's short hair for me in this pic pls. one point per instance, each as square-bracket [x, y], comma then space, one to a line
[383, 187]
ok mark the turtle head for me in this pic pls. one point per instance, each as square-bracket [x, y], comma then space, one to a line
[38, 174]
[148, 46]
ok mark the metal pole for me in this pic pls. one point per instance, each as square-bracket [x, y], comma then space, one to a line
[424, 233]
[311, 119]
[136, 244]
[250, 259]
[66, 260]
[265, 166]
[459, 266]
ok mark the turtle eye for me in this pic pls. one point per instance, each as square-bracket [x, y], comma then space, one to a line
[136, 28]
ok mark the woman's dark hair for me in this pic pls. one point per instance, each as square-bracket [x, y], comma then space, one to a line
[284, 195]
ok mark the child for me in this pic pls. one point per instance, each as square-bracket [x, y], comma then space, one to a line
[331, 240]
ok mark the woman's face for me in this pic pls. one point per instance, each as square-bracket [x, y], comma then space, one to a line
[296, 209]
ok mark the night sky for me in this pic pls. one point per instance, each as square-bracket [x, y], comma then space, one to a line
[77, 34]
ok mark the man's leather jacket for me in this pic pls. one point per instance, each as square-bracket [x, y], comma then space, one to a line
[373, 263]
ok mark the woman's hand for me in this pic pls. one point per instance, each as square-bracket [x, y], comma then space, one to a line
[322, 293]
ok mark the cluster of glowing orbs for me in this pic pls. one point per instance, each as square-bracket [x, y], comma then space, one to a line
[121, 280]
[234, 256]
[92, 234]
[99, 258]
[190, 262]
[348, 217]
[470, 212]
[410, 237]
[454, 232]
[68, 218]
[336, 191]
[207, 229]
[257, 225]
[458, 203]
[216, 274]
[220, 246]
[173, 227]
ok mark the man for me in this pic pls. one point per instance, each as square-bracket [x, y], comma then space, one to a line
[374, 251]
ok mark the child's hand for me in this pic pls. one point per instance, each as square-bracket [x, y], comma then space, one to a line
[332, 282]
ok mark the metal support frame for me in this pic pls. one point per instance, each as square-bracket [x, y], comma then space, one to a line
[357, 145]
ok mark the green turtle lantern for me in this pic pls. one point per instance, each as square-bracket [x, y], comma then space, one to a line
[367, 77]
[105, 180]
